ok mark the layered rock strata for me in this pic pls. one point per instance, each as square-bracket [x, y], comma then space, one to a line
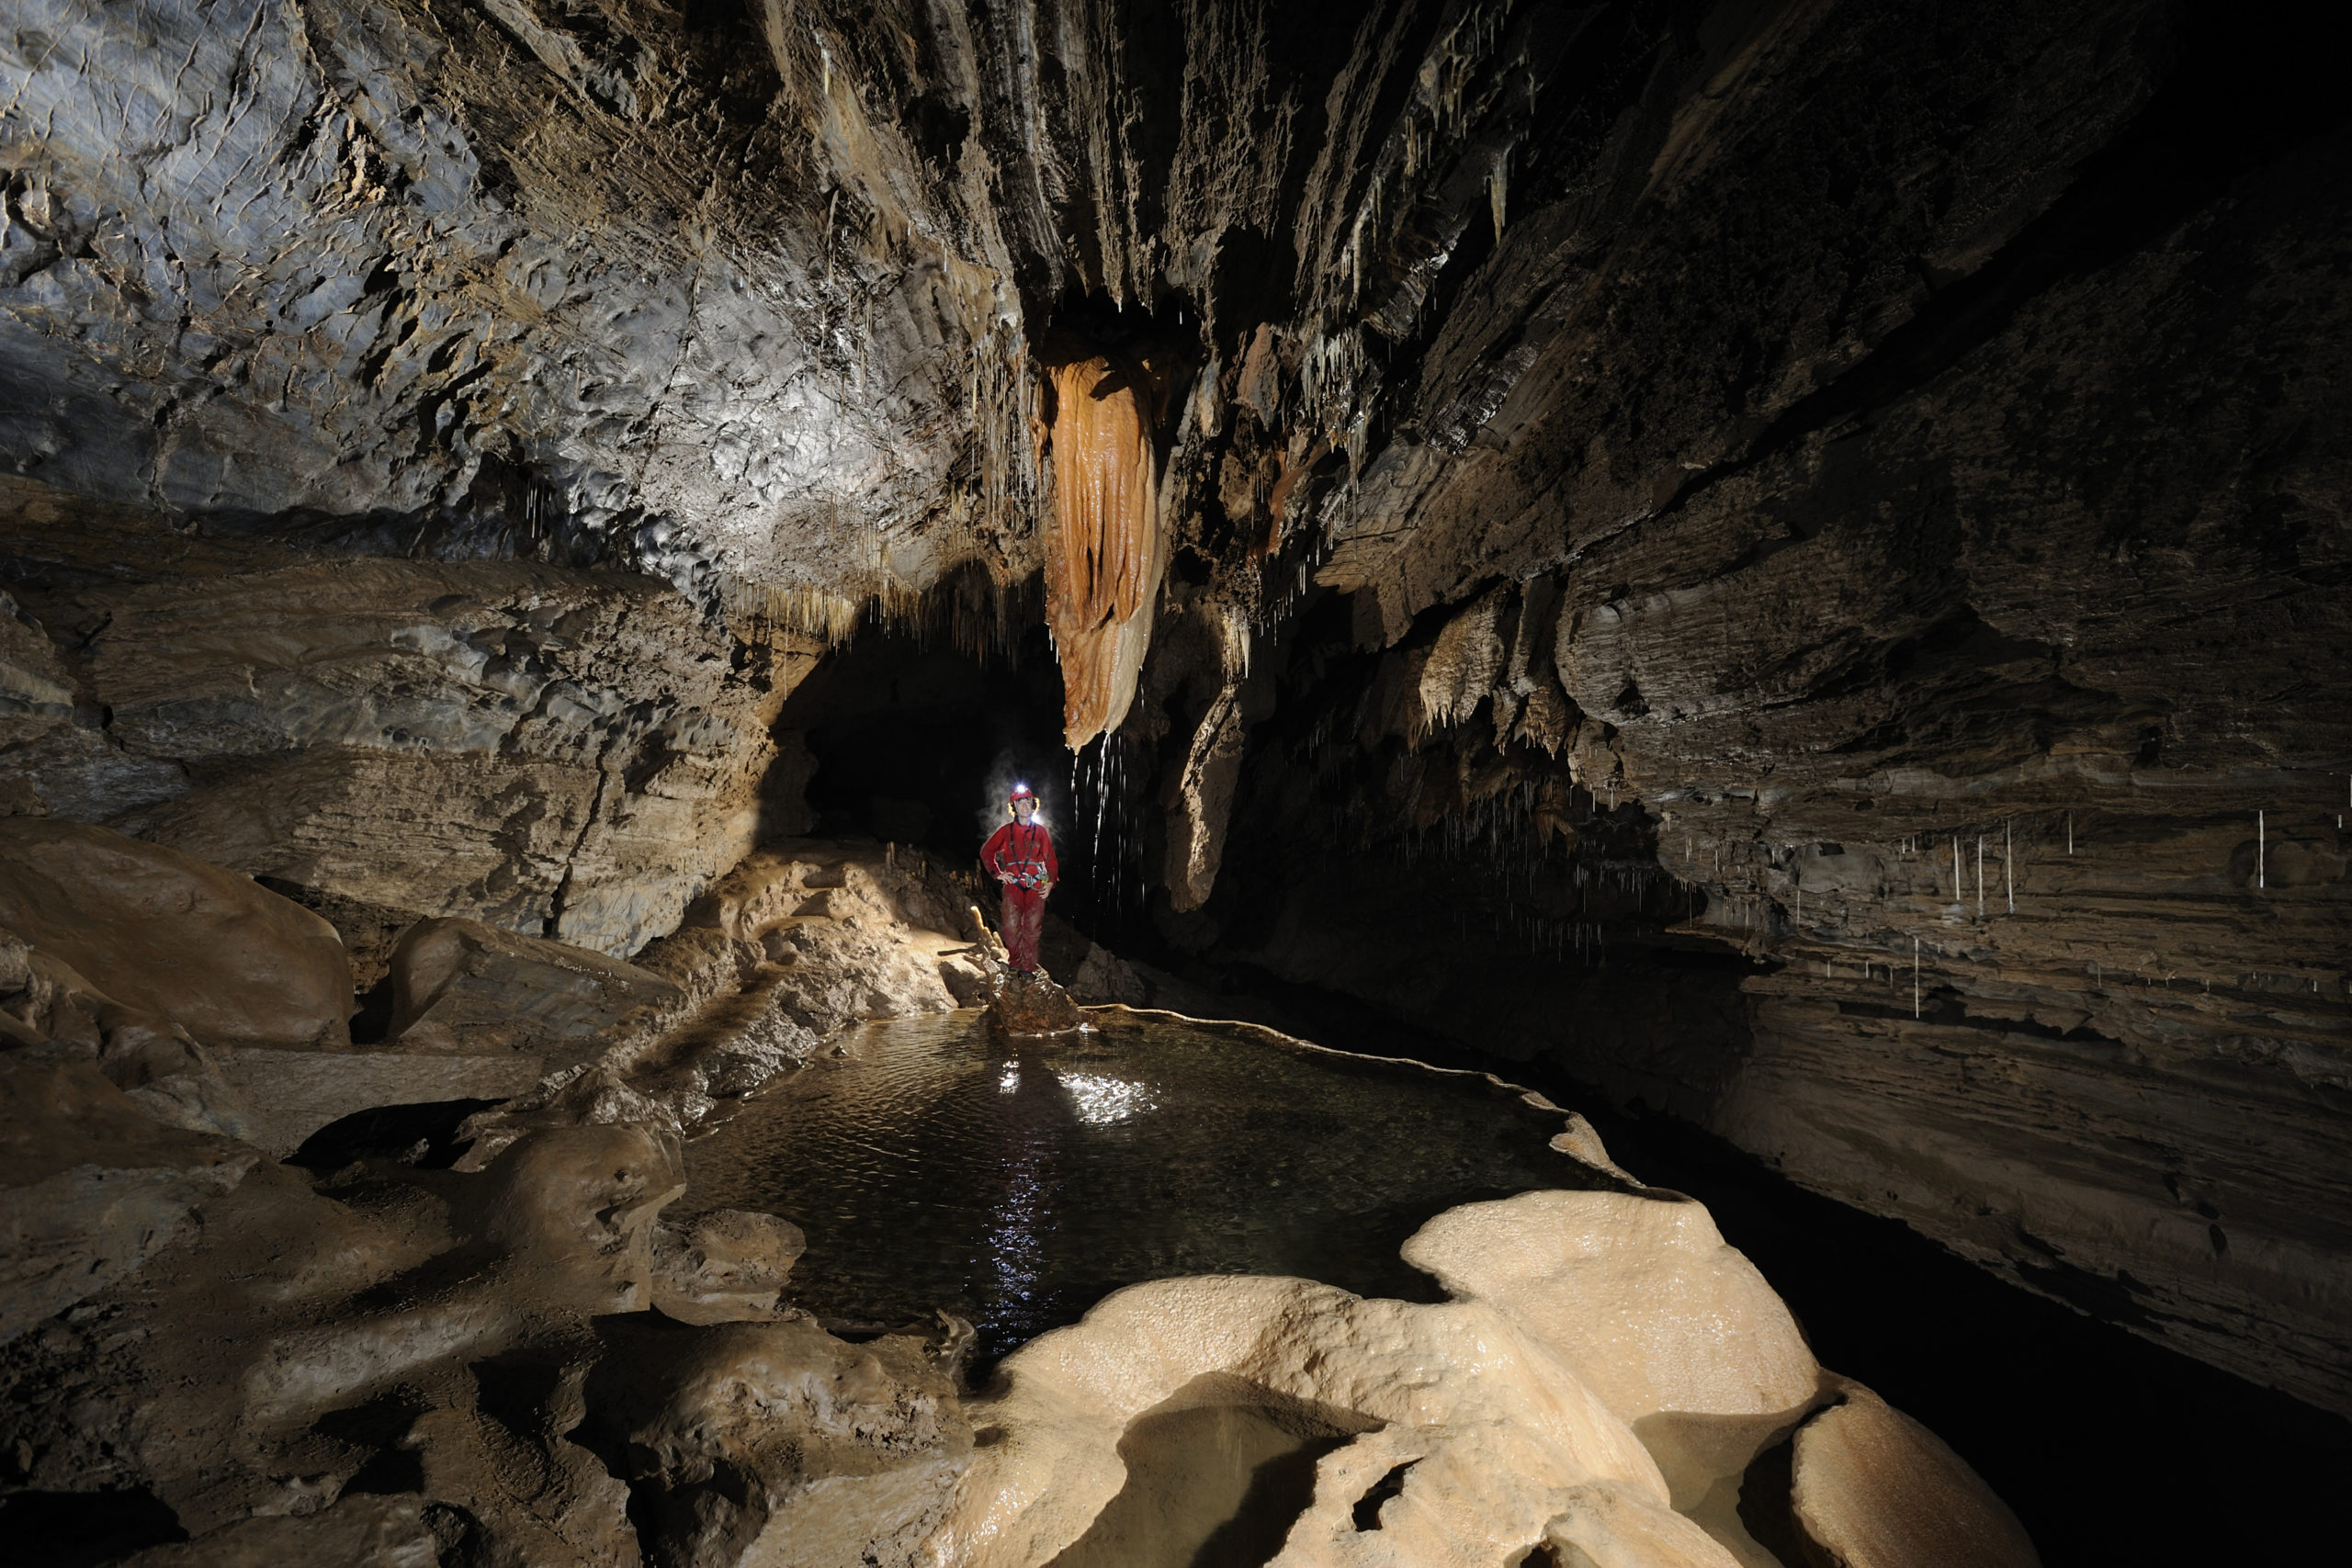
[2120, 1078]
[559, 753]
[1968, 695]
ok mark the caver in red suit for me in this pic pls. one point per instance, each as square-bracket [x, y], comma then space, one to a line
[1021, 855]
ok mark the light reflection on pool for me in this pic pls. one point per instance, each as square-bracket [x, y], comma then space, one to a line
[935, 1166]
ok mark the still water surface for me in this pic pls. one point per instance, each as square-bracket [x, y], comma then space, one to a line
[1017, 1185]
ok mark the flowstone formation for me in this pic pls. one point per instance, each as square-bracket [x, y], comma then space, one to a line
[1787, 560]
[447, 1327]
[1600, 1389]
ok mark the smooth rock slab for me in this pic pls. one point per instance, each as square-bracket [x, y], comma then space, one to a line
[227, 960]
[1878, 1490]
[460, 985]
[286, 1095]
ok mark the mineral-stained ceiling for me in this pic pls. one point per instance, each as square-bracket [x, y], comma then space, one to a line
[1777, 446]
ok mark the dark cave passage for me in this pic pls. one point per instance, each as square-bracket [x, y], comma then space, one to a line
[918, 743]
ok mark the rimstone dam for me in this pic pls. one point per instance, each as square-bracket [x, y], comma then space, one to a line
[1174, 783]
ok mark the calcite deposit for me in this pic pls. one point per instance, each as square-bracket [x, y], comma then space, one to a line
[1599, 1388]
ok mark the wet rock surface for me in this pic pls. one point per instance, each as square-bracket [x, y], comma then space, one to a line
[169, 934]
[377, 1358]
[1025, 1005]
[1547, 1435]
[1874, 1487]
[489, 1344]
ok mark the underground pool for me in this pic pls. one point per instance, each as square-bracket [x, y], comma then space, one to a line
[1015, 1184]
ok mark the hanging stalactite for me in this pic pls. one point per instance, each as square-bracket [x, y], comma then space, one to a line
[1105, 551]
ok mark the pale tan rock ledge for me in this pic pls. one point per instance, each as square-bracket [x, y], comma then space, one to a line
[1597, 1390]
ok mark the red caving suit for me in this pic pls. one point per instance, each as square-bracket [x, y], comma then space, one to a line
[1022, 859]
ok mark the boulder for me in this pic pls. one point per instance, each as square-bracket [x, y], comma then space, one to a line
[90, 1184]
[727, 1266]
[1875, 1489]
[775, 1443]
[1103, 977]
[47, 1003]
[166, 933]
[573, 1211]
[1673, 1328]
[460, 985]
[1021, 1004]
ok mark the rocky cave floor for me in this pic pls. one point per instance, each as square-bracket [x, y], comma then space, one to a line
[279, 1293]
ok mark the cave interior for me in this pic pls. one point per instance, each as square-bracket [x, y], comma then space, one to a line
[1773, 572]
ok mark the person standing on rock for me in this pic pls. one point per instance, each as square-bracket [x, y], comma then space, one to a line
[1021, 855]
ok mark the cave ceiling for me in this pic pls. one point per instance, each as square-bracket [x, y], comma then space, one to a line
[755, 297]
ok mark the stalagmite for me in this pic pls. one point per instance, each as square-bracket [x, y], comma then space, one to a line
[1105, 554]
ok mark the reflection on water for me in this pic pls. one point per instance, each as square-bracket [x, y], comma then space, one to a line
[935, 1167]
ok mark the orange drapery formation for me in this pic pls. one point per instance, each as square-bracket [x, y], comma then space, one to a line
[1104, 559]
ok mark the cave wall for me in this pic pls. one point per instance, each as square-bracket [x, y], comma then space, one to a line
[559, 751]
[2063, 617]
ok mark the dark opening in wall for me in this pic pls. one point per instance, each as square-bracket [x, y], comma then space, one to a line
[918, 744]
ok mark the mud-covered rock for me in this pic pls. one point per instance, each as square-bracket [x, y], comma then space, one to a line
[163, 932]
[91, 1184]
[727, 1266]
[1025, 1004]
[776, 1443]
[460, 985]
[573, 1211]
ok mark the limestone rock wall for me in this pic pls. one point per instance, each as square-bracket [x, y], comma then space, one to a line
[557, 752]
